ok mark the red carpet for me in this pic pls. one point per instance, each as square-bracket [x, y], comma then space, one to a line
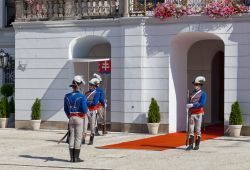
[168, 141]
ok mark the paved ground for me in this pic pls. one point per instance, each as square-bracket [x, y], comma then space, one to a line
[23, 149]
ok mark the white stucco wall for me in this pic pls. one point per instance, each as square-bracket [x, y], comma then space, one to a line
[49, 71]
[141, 52]
[145, 74]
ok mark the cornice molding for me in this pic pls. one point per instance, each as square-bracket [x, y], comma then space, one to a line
[125, 21]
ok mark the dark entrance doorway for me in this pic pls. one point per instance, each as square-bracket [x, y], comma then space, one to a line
[217, 102]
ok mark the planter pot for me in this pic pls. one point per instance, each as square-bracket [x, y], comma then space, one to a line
[35, 124]
[153, 128]
[234, 130]
[3, 122]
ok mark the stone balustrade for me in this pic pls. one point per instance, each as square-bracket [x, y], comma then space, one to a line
[29, 10]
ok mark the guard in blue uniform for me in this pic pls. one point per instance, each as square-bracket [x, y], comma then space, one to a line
[197, 101]
[92, 100]
[101, 117]
[75, 107]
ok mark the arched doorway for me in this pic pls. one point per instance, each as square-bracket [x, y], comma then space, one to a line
[205, 60]
[86, 53]
[185, 48]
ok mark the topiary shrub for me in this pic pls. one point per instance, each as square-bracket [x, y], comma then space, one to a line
[7, 90]
[5, 110]
[1, 110]
[12, 105]
[36, 110]
[154, 115]
[235, 115]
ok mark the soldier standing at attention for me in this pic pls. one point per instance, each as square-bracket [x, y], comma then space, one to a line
[100, 107]
[75, 107]
[196, 104]
[92, 100]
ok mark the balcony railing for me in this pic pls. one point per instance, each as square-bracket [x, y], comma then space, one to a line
[146, 7]
[31, 10]
[65, 9]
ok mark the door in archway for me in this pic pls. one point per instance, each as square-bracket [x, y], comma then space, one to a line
[217, 103]
[202, 61]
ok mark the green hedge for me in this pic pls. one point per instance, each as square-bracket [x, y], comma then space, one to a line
[7, 90]
[36, 110]
[154, 115]
[235, 115]
[4, 108]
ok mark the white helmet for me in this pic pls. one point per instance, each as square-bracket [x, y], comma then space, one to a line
[94, 81]
[78, 79]
[199, 80]
[98, 77]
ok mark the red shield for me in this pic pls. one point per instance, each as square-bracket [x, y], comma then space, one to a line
[104, 67]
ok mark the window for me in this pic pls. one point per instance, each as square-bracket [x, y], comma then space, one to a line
[10, 12]
[246, 2]
[150, 4]
[9, 72]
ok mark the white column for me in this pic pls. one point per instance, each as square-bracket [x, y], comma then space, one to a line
[126, 6]
[2, 13]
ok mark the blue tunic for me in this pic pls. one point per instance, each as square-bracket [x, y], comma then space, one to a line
[93, 99]
[101, 98]
[199, 100]
[75, 102]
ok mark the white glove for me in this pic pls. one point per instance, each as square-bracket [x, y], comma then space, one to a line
[189, 105]
[105, 105]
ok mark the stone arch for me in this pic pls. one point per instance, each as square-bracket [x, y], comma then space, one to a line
[179, 48]
[85, 53]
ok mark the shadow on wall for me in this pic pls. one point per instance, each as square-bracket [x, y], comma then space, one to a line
[140, 118]
[52, 100]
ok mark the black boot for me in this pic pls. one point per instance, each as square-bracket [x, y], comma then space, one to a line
[97, 132]
[83, 141]
[71, 153]
[191, 141]
[91, 140]
[77, 153]
[197, 143]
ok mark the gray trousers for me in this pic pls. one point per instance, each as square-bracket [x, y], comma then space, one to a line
[75, 128]
[91, 120]
[195, 122]
[100, 116]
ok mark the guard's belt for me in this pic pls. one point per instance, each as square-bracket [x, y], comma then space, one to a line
[92, 108]
[79, 114]
[99, 105]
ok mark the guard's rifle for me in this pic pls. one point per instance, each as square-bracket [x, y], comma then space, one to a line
[187, 123]
[63, 137]
[104, 131]
[203, 123]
